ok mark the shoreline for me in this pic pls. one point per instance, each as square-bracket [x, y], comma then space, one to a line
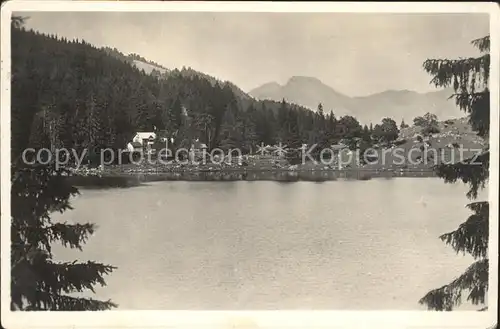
[121, 178]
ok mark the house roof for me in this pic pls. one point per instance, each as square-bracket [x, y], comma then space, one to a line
[145, 135]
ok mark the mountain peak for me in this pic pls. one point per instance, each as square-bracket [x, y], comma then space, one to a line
[272, 84]
[397, 104]
[303, 79]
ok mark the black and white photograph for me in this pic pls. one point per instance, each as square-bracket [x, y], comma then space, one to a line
[265, 159]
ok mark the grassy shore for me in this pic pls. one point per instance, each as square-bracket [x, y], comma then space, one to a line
[128, 178]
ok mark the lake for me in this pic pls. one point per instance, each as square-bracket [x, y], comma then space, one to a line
[345, 244]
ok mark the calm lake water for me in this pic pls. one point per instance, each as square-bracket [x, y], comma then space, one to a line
[360, 245]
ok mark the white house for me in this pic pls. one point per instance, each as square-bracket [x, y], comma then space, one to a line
[146, 140]
[144, 137]
[141, 140]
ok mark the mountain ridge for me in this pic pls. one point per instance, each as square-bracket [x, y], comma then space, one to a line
[308, 92]
[153, 68]
[396, 104]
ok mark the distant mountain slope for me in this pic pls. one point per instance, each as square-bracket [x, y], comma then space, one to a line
[236, 90]
[397, 104]
[305, 91]
[405, 104]
[149, 67]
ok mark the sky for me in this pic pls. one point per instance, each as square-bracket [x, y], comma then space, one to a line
[354, 53]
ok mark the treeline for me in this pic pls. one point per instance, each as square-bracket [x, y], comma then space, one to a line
[68, 93]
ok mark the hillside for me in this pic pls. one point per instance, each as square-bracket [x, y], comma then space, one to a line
[244, 100]
[455, 136]
[396, 104]
[69, 93]
[152, 68]
[148, 68]
[189, 72]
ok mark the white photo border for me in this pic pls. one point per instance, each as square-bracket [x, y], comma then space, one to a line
[248, 319]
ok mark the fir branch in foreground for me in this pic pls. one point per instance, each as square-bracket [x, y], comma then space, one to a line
[53, 302]
[474, 280]
[71, 277]
[477, 105]
[483, 44]
[473, 171]
[465, 74]
[37, 282]
[70, 235]
[472, 235]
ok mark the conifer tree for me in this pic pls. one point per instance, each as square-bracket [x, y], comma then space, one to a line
[18, 21]
[231, 131]
[176, 112]
[366, 134]
[469, 78]
[320, 110]
[38, 282]
[249, 129]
